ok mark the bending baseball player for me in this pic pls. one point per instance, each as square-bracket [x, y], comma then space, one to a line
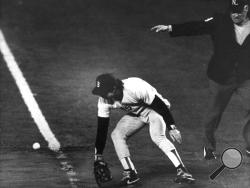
[144, 106]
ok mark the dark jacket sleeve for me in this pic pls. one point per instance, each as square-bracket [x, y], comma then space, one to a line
[193, 28]
[161, 108]
[101, 135]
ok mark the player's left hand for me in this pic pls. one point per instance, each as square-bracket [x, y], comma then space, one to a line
[102, 172]
[175, 135]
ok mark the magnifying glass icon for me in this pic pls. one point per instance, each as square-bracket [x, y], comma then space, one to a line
[231, 158]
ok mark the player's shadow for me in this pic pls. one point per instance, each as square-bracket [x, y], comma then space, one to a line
[149, 172]
[166, 173]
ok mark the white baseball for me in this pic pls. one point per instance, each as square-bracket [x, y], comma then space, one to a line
[36, 145]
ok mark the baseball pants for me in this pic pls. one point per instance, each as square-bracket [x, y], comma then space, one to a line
[129, 125]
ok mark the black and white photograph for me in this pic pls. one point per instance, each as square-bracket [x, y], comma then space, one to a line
[122, 93]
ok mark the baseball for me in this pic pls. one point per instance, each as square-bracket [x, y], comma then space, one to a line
[36, 145]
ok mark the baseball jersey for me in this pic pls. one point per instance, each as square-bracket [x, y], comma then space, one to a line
[137, 96]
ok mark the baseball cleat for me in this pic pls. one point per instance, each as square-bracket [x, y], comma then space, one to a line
[248, 151]
[184, 177]
[129, 177]
[209, 154]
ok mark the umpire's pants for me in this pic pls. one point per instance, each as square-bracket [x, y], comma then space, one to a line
[220, 97]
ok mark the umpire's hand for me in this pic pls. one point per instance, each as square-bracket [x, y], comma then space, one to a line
[175, 135]
[158, 28]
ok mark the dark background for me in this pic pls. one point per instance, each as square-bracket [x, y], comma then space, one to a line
[62, 45]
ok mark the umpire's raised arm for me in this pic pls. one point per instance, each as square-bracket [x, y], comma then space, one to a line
[188, 28]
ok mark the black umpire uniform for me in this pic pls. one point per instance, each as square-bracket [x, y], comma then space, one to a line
[229, 59]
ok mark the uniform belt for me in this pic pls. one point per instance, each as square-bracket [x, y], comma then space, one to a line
[137, 114]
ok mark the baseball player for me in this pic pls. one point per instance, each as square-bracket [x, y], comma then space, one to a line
[144, 106]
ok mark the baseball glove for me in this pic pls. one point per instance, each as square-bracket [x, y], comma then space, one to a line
[102, 172]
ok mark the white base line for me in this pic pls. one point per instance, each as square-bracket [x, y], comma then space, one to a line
[68, 169]
[35, 111]
[27, 95]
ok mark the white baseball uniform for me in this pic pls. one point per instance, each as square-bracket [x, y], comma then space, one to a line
[137, 96]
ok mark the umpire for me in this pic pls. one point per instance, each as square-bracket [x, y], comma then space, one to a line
[229, 67]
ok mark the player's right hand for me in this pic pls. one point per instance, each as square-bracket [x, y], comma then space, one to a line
[175, 135]
[158, 28]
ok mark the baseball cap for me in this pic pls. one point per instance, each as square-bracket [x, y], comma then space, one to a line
[104, 83]
[236, 6]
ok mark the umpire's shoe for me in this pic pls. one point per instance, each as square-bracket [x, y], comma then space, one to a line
[209, 154]
[248, 151]
[184, 177]
[129, 177]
